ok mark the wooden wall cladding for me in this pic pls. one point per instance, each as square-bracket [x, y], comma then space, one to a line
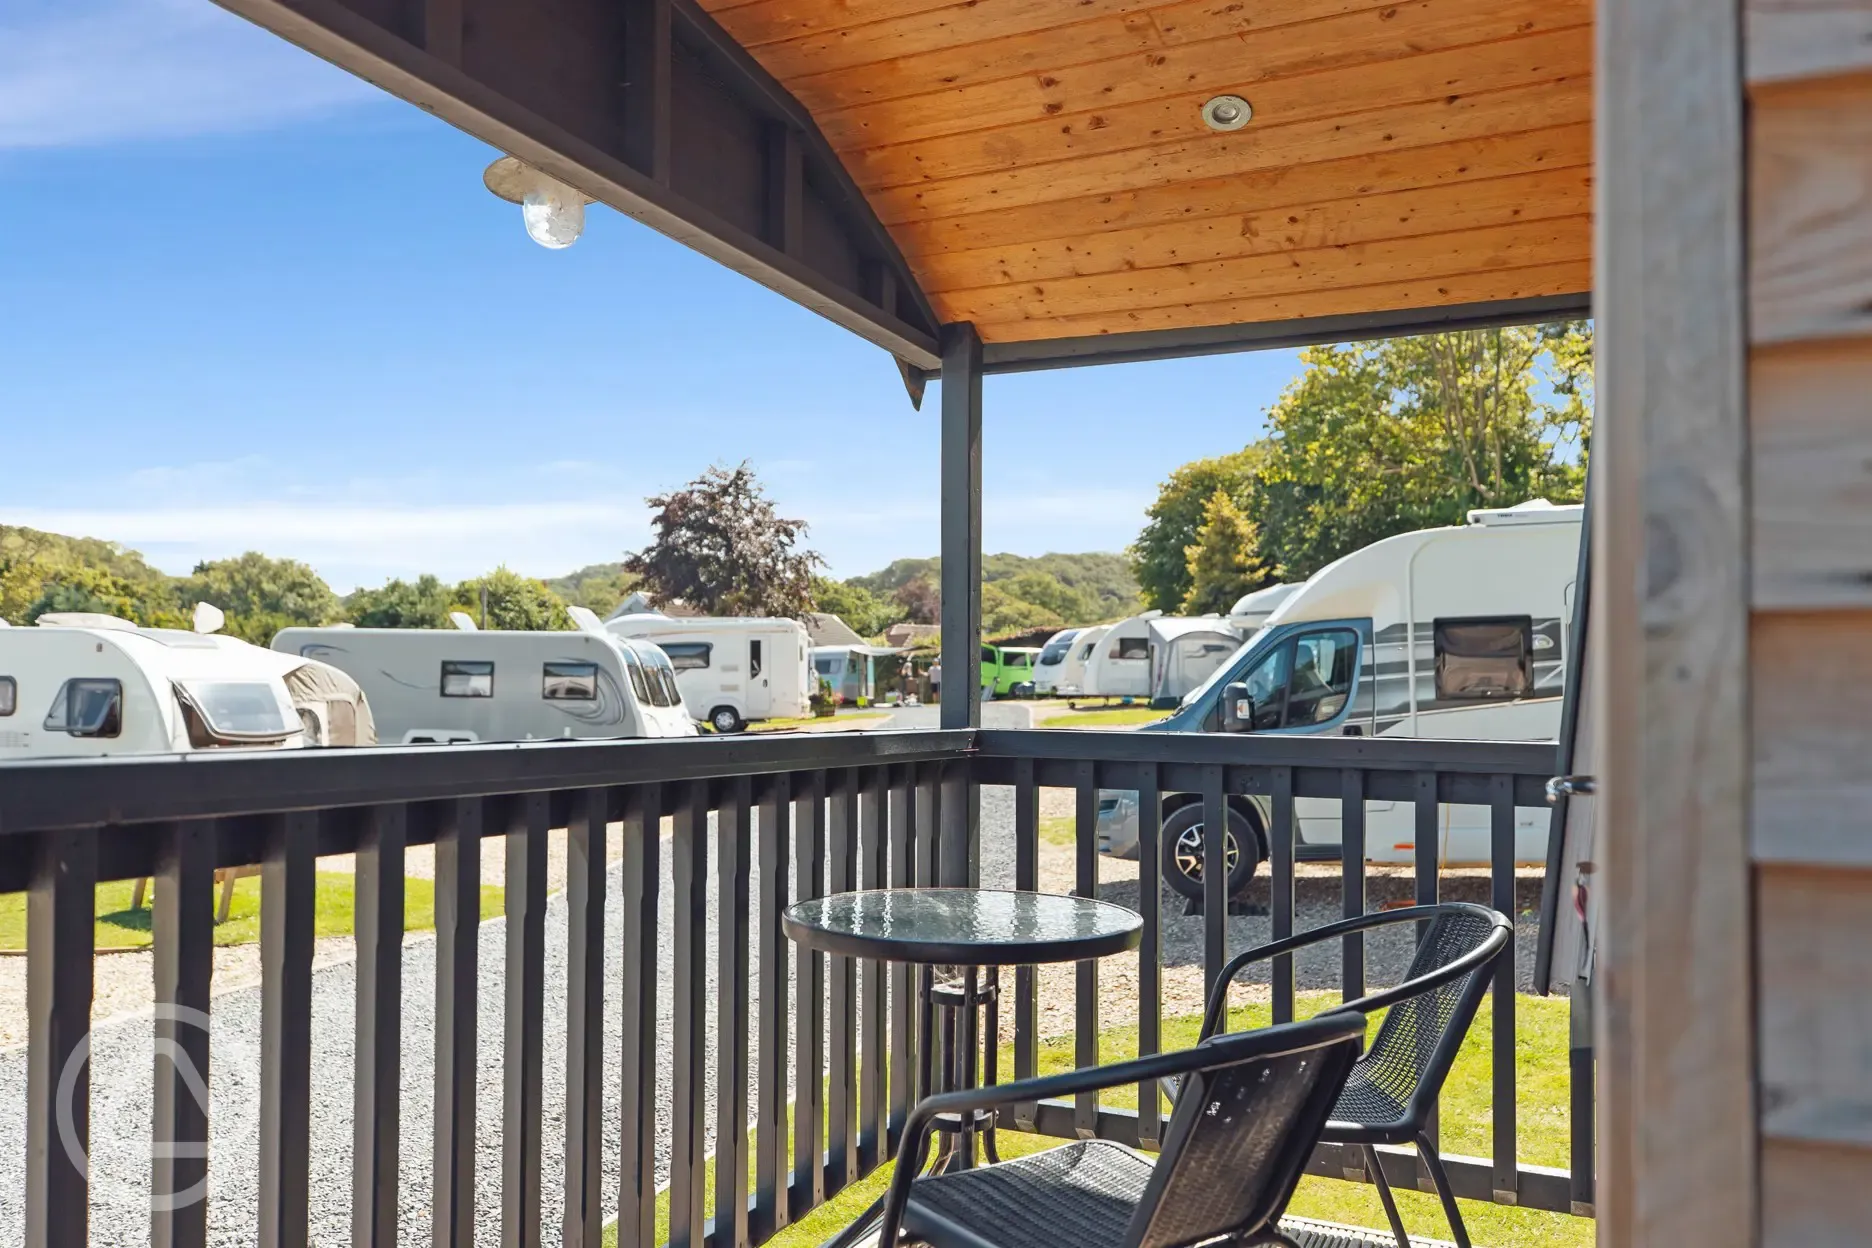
[1809, 66]
[1043, 165]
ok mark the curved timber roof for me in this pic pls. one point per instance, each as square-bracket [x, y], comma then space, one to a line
[1040, 168]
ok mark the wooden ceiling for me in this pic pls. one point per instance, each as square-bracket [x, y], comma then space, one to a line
[1044, 167]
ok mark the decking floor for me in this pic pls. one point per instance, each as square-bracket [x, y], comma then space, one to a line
[1310, 1234]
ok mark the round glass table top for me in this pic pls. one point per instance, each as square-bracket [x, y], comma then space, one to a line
[963, 926]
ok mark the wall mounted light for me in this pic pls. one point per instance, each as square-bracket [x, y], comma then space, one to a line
[1226, 112]
[554, 212]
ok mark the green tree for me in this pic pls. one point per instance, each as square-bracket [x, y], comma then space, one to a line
[600, 587]
[261, 595]
[1379, 438]
[78, 587]
[1157, 558]
[720, 547]
[1222, 563]
[77, 571]
[1074, 606]
[1002, 612]
[865, 612]
[919, 600]
[514, 602]
[424, 603]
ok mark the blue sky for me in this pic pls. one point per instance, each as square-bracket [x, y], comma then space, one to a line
[248, 301]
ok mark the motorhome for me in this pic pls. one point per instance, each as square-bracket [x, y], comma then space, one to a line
[1072, 670]
[1458, 632]
[1252, 610]
[443, 686]
[84, 685]
[1183, 652]
[733, 671]
[1052, 661]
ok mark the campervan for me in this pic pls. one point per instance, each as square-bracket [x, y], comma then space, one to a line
[1072, 670]
[443, 686]
[1052, 661]
[1252, 610]
[732, 671]
[1184, 652]
[1458, 632]
[85, 685]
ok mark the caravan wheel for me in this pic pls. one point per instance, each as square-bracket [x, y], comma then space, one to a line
[725, 719]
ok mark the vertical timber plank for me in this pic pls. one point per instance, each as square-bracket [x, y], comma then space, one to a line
[640, 882]
[182, 928]
[522, 1060]
[1086, 998]
[733, 842]
[458, 1015]
[770, 1134]
[286, 925]
[1669, 645]
[874, 1063]
[377, 1089]
[842, 1098]
[61, 910]
[689, 983]
[809, 981]
[1150, 948]
[961, 525]
[1026, 982]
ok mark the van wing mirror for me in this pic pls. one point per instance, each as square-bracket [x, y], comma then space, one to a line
[1237, 708]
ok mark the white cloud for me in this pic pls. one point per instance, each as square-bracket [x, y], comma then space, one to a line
[78, 72]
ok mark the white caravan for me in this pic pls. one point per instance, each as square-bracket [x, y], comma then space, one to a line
[732, 670]
[442, 686]
[1051, 664]
[1071, 681]
[1252, 610]
[82, 685]
[1454, 633]
[1184, 652]
[1119, 665]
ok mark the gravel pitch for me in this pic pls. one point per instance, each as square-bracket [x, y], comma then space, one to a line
[122, 1048]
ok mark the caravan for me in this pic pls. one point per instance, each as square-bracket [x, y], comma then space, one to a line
[1252, 610]
[1457, 632]
[1184, 653]
[1119, 663]
[1071, 680]
[732, 670]
[1051, 664]
[443, 686]
[83, 685]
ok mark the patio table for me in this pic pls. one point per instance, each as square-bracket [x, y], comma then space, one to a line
[953, 934]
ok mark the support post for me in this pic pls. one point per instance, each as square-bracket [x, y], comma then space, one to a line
[961, 589]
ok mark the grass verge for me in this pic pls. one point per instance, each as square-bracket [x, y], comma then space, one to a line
[119, 926]
[1104, 717]
[1541, 1110]
[818, 721]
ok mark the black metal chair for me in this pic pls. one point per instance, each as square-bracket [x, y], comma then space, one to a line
[1391, 1094]
[1234, 1150]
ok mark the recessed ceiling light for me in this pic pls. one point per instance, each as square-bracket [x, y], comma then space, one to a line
[1226, 112]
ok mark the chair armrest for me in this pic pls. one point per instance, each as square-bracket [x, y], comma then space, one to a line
[1218, 996]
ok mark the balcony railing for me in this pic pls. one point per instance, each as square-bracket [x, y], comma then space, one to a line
[812, 1062]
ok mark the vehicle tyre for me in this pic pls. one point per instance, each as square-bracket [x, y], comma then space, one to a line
[1182, 839]
[725, 719]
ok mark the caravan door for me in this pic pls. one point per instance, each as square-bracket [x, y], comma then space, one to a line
[759, 682]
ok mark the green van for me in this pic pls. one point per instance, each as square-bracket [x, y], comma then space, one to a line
[1003, 667]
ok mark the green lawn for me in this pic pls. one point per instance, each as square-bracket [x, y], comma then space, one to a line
[1103, 717]
[871, 718]
[121, 927]
[1541, 1073]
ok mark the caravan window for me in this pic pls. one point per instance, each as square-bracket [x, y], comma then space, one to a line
[1131, 648]
[87, 708]
[1321, 680]
[826, 665]
[753, 657]
[463, 679]
[9, 695]
[640, 683]
[687, 656]
[569, 682]
[1484, 659]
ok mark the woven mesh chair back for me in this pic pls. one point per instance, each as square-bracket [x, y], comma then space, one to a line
[1238, 1140]
[1400, 1058]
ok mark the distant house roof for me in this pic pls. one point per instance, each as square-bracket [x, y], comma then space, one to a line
[910, 634]
[826, 629]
